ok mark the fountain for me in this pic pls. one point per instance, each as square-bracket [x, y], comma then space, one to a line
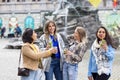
[71, 14]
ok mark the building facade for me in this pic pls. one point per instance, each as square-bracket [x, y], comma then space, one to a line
[16, 11]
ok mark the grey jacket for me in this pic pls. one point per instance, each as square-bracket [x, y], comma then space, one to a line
[42, 46]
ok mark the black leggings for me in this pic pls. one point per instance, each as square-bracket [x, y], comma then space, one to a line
[100, 77]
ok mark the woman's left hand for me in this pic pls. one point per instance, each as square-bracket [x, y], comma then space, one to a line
[69, 52]
[105, 47]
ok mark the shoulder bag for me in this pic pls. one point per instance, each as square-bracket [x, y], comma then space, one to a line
[22, 71]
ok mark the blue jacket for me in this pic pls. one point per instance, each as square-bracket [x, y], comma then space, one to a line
[92, 67]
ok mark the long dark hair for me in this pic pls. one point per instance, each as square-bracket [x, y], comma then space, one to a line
[108, 38]
[27, 35]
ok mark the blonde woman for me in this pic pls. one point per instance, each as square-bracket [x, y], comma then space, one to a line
[74, 54]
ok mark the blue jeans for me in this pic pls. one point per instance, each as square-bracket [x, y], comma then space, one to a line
[54, 68]
[70, 71]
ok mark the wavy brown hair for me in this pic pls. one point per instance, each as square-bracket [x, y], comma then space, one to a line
[46, 31]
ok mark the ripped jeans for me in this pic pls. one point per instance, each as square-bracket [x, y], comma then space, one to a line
[70, 71]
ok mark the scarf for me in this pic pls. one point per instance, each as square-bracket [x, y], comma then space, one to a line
[101, 59]
[34, 48]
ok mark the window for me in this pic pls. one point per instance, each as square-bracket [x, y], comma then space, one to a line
[18, 0]
[8, 0]
[21, 0]
[33, 0]
[3, 0]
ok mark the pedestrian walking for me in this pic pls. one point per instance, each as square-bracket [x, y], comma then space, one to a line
[18, 31]
[3, 29]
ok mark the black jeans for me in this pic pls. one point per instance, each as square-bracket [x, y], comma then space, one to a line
[100, 77]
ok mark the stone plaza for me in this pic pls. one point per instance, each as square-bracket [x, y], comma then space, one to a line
[18, 11]
[9, 63]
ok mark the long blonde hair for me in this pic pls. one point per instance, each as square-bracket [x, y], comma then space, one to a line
[82, 34]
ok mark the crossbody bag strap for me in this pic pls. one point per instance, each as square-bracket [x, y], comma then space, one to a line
[19, 59]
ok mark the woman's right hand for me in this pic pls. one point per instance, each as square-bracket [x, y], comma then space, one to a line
[48, 46]
[53, 50]
[90, 78]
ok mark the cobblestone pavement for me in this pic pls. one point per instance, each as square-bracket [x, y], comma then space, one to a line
[9, 63]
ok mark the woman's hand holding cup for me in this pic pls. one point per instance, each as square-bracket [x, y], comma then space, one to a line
[53, 50]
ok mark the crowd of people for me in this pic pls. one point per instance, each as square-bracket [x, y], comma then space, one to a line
[61, 61]
[17, 32]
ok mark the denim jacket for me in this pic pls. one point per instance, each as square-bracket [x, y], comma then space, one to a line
[92, 67]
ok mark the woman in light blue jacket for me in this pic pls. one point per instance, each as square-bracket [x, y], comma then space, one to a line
[50, 38]
[101, 56]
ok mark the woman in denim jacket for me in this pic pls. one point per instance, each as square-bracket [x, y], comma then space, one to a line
[101, 56]
[74, 54]
[51, 38]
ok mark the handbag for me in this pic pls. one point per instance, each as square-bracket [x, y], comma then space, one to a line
[22, 71]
